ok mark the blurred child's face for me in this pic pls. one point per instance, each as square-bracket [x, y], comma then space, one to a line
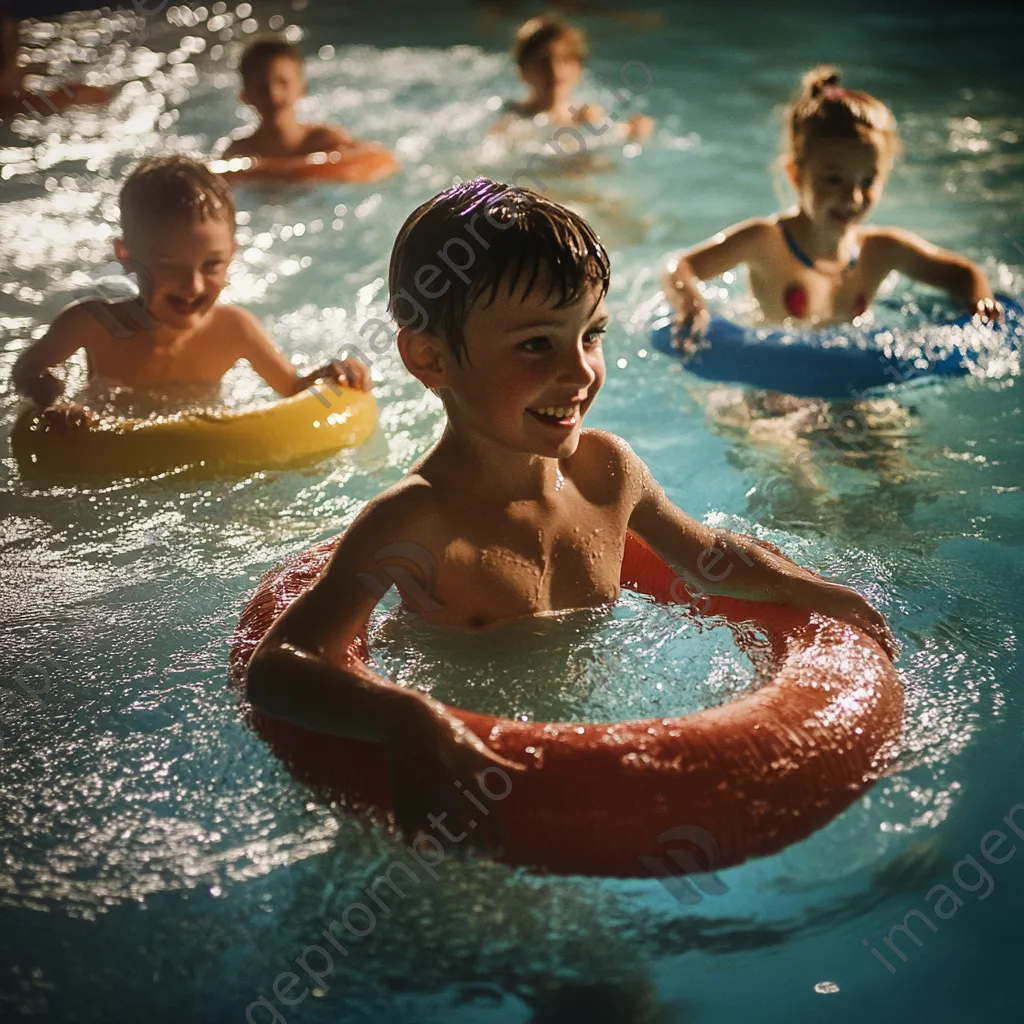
[554, 68]
[840, 181]
[532, 370]
[181, 268]
[276, 91]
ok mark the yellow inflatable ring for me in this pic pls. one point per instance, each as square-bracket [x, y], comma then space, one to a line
[306, 426]
[358, 164]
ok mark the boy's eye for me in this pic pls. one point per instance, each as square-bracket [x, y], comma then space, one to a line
[537, 344]
[594, 336]
[869, 182]
[212, 266]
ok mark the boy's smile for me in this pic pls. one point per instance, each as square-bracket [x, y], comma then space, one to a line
[182, 270]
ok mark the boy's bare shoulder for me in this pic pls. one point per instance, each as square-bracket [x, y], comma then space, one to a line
[233, 327]
[325, 137]
[95, 321]
[603, 457]
[408, 513]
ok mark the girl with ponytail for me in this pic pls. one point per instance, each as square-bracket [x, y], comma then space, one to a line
[818, 263]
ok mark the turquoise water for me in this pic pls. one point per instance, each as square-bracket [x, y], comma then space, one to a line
[157, 861]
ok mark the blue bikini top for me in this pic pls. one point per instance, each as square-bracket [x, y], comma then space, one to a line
[805, 259]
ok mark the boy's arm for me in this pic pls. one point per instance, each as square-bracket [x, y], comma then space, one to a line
[259, 350]
[741, 243]
[941, 268]
[32, 376]
[720, 562]
[306, 672]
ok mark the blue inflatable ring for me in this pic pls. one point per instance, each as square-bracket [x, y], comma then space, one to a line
[840, 362]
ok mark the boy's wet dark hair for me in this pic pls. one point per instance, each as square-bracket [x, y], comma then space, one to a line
[172, 188]
[260, 52]
[541, 31]
[502, 235]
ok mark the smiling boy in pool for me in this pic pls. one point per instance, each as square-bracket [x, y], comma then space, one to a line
[521, 510]
[178, 223]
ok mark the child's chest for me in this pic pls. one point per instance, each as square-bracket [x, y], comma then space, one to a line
[138, 361]
[525, 563]
[787, 289]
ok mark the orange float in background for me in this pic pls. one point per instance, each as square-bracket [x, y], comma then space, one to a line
[751, 776]
[42, 104]
[365, 163]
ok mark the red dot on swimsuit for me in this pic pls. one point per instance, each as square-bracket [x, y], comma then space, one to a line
[795, 300]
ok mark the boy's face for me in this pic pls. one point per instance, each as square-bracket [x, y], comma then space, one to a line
[554, 69]
[532, 371]
[181, 268]
[277, 89]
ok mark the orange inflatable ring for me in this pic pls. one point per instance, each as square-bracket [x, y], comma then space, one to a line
[755, 774]
[41, 104]
[369, 162]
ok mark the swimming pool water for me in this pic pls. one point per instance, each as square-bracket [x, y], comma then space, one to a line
[157, 861]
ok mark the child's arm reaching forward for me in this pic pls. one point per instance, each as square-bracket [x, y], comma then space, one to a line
[720, 562]
[304, 671]
[259, 350]
[741, 243]
[32, 374]
[897, 249]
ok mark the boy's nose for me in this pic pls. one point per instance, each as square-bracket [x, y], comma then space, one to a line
[193, 284]
[578, 369]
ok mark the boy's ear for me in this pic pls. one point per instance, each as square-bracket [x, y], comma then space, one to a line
[424, 357]
[792, 174]
[122, 255]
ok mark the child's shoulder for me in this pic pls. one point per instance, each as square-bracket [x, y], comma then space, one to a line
[94, 321]
[751, 234]
[233, 327]
[322, 138]
[409, 511]
[606, 457]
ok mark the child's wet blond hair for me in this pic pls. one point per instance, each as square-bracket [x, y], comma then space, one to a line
[825, 109]
[171, 188]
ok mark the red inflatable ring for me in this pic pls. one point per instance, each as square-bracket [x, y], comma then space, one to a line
[41, 104]
[370, 162]
[741, 780]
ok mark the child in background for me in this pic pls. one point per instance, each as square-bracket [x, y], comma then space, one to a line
[178, 224]
[549, 54]
[818, 264]
[14, 97]
[273, 81]
[521, 510]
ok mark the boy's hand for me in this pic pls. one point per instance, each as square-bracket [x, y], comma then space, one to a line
[350, 371]
[66, 416]
[846, 605]
[427, 756]
[44, 390]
